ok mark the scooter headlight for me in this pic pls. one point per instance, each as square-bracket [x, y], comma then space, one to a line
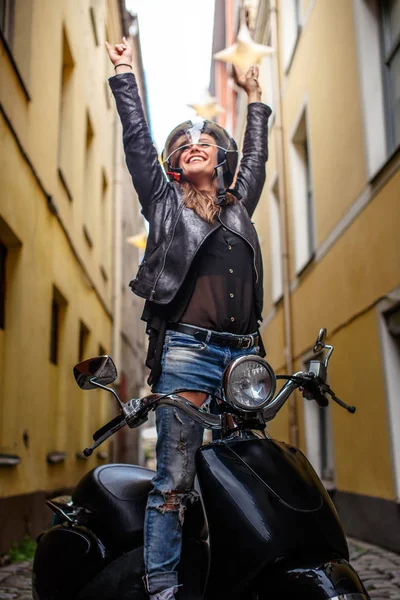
[249, 383]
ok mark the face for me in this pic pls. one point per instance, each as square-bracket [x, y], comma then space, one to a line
[199, 159]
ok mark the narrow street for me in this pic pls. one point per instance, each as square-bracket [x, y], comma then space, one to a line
[379, 569]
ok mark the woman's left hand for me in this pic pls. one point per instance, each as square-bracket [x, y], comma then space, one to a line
[120, 53]
[249, 82]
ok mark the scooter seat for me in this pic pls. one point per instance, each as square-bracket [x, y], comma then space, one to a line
[116, 496]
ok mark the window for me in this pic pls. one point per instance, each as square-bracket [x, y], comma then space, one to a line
[7, 9]
[290, 24]
[83, 340]
[390, 36]
[319, 438]
[276, 244]
[3, 259]
[267, 79]
[54, 335]
[105, 245]
[89, 192]
[66, 141]
[377, 26]
[390, 344]
[10, 246]
[16, 30]
[58, 305]
[302, 195]
[92, 17]
[108, 72]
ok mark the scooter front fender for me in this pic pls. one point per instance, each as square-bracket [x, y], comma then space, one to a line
[331, 580]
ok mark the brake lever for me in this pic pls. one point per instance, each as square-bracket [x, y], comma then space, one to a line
[100, 432]
[350, 409]
[102, 438]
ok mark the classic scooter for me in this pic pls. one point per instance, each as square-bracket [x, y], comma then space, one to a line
[265, 529]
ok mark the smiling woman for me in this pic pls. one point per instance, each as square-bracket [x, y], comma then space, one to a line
[204, 164]
[202, 280]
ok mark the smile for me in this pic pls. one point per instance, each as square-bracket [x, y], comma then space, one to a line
[195, 159]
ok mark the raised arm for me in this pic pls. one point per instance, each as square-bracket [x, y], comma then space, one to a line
[251, 175]
[141, 156]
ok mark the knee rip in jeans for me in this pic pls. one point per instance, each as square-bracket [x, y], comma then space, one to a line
[175, 501]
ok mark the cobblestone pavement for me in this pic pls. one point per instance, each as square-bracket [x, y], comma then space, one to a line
[379, 570]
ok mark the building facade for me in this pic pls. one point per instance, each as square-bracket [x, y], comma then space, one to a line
[66, 203]
[328, 223]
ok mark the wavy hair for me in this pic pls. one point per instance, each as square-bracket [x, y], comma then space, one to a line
[202, 202]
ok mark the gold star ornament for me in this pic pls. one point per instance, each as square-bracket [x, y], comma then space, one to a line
[139, 240]
[244, 52]
[207, 108]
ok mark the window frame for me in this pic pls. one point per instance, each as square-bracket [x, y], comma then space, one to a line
[84, 333]
[302, 191]
[390, 352]
[7, 31]
[3, 283]
[55, 331]
[275, 241]
[319, 440]
[388, 53]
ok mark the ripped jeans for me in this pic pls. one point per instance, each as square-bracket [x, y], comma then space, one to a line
[191, 365]
[178, 439]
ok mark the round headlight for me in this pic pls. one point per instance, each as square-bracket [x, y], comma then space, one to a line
[249, 383]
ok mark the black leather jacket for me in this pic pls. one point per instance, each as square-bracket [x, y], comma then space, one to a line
[176, 232]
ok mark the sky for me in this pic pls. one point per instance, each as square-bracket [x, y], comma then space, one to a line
[176, 42]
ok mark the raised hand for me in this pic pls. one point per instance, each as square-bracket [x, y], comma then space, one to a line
[120, 53]
[248, 82]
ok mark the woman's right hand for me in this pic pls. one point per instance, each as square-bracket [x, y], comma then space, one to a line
[120, 53]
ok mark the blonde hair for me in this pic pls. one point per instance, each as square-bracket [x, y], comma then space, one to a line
[202, 202]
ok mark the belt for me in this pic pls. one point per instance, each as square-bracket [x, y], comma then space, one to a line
[214, 337]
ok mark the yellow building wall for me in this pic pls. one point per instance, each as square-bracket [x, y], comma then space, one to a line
[41, 408]
[38, 397]
[362, 448]
[340, 289]
[359, 269]
[328, 84]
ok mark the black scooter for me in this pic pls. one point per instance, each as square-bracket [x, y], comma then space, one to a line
[265, 528]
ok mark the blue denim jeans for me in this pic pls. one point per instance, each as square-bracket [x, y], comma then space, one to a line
[187, 364]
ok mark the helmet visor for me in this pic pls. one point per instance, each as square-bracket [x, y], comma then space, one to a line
[201, 133]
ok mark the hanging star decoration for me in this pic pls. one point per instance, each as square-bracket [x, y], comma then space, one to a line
[207, 107]
[244, 52]
[139, 240]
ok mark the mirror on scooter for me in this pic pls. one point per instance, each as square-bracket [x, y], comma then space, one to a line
[101, 369]
[320, 343]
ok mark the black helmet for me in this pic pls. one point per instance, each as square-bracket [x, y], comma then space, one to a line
[190, 131]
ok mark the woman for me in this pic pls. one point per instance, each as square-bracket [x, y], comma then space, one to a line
[202, 267]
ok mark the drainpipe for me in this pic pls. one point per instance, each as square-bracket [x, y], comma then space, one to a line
[117, 255]
[293, 417]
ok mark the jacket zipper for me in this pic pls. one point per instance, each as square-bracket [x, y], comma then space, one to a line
[153, 291]
[166, 252]
[246, 240]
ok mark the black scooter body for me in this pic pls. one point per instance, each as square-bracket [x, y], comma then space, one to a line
[267, 513]
[102, 557]
[267, 510]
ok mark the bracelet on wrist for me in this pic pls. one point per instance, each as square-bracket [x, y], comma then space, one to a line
[122, 65]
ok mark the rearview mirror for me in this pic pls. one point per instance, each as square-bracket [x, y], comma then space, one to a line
[101, 369]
